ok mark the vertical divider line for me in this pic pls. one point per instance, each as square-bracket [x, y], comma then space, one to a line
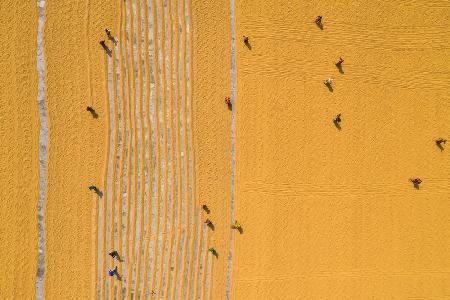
[142, 137]
[104, 199]
[157, 142]
[114, 163]
[43, 137]
[172, 148]
[164, 132]
[178, 146]
[150, 163]
[233, 136]
[186, 176]
[122, 150]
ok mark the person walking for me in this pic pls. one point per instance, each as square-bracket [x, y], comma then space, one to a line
[113, 272]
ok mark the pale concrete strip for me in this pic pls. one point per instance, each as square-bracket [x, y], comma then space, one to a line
[233, 99]
[43, 136]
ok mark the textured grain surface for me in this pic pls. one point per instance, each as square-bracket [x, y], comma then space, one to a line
[19, 135]
[212, 126]
[75, 64]
[330, 213]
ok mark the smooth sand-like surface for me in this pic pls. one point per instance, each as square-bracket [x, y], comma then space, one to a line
[329, 213]
[19, 134]
[212, 123]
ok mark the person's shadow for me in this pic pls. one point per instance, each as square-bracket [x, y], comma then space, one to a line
[339, 67]
[206, 209]
[337, 124]
[119, 258]
[247, 44]
[440, 146]
[329, 86]
[113, 39]
[107, 50]
[320, 25]
[211, 225]
[92, 111]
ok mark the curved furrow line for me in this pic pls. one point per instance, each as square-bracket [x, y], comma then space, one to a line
[114, 126]
[157, 144]
[127, 42]
[178, 157]
[121, 113]
[136, 165]
[150, 154]
[164, 140]
[184, 153]
[172, 152]
[132, 212]
[165, 133]
[142, 147]
[191, 155]
[104, 199]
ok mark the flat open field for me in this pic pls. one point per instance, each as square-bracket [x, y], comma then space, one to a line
[330, 213]
[137, 111]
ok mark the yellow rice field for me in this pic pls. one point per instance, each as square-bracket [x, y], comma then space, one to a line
[327, 210]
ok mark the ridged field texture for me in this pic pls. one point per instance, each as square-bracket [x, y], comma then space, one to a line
[117, 138]
[328, 212]
[19, 149]
[148, 211]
